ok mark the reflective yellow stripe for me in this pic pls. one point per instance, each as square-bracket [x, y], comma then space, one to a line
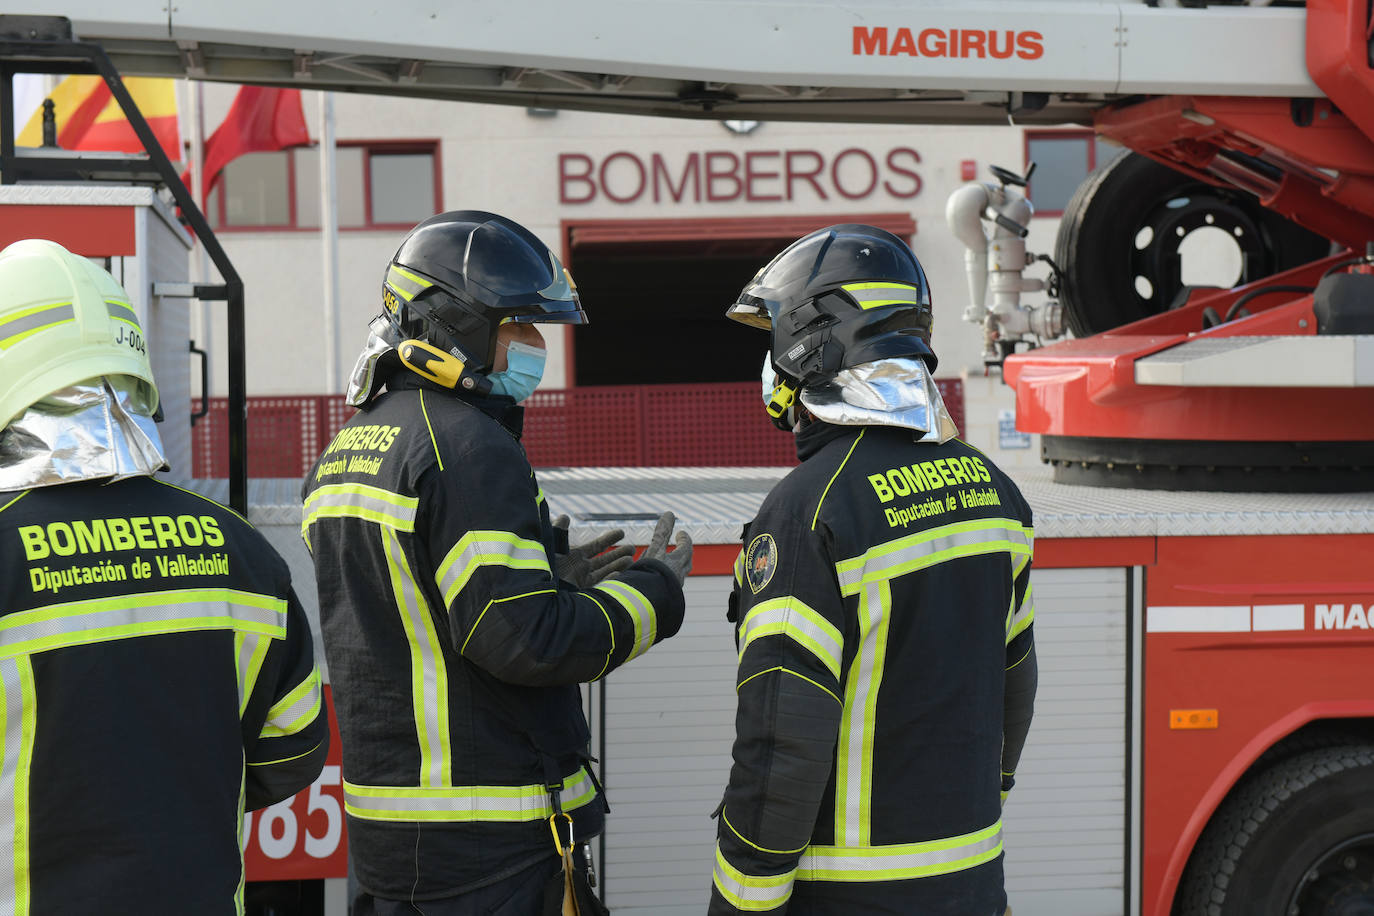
[857, 439]
[20, 710]
[875, 295]
[903, 861]
[478, 622]
[432, 441]
[428, 672]
[487, 548]
[937, 545]
[465, 804]
[16, 326]
[739, 568]
[250, 649]
[356, 500]
[752, 845]
[152, 613]
[751, 893]
[238, 891]
[406, 284]
[854, 751]
[640, 610]
[779, 668]
[791, 617]
[610, 628]
[297, 709]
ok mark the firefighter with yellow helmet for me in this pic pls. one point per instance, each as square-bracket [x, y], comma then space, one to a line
[156, 670]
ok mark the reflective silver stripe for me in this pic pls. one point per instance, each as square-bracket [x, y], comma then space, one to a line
[297, 709]
[900, 862]
[429, 674]
[352, 500]
[870, 294]
[487, 548]
[854, 763]
[249, 655]
[121, 311]
[751, 893]
[1023, 617]
[790, 617]
[35, 320]
[456, 804]
[641, 612]
[937, 545]
[152, 613]
[20, 721]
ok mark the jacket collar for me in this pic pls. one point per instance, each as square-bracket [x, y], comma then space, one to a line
[500, 408]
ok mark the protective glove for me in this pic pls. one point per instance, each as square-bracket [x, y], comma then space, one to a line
[587, 565]
[679, 560]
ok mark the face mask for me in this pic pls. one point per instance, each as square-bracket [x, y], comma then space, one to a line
[524, 369]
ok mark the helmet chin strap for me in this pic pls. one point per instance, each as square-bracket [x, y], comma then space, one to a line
[440, 367]
[782, 406]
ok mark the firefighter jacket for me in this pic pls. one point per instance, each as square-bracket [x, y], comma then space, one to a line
[454, 652]
[882, 591]
[158, 677]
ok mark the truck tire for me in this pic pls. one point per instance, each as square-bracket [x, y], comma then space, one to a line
[1121, 231]
[1297, 838]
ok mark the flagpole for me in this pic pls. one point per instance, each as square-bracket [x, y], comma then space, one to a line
[329, 236]
[202, 273]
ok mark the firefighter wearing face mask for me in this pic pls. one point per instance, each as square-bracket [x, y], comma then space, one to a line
[883, 613]
[157, 675]
[456, 624]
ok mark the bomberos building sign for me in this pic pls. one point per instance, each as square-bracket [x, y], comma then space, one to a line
[722, 176]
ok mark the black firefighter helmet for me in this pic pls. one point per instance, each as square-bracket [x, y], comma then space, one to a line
[456, 278]
[839, 297]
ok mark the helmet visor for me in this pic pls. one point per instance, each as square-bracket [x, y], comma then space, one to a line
[753, 311]
[558, 302]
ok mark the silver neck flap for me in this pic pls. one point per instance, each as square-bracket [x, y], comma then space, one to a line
[887, 392]
[93, 430]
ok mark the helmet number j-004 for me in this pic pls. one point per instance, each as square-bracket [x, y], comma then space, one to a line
[133, 338]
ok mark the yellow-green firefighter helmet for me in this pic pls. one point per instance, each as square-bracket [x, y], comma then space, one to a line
[63, 320]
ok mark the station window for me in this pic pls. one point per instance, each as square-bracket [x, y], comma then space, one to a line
[381, 186]
[1063, 158]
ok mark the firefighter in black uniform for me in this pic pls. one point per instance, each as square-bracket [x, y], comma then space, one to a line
[156, 669]
[883, 613]
[456, 625]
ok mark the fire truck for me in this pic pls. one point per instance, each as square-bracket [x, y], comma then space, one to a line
[1204, 741]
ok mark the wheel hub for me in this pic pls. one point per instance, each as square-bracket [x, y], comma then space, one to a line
[1156, 264]
[1339, 883]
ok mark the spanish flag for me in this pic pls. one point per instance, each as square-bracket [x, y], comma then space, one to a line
[89, 118]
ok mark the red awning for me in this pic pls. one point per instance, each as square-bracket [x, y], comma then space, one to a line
[775, 230]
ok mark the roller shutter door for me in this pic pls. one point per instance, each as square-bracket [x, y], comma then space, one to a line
[670, 724]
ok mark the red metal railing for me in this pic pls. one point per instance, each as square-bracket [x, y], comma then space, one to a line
[715, 425]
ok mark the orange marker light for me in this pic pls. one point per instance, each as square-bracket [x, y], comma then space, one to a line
[1193, 718]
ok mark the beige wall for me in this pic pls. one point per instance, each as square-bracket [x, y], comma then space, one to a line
[502, 159]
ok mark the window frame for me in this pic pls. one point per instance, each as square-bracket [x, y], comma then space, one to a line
[1086, 134]
[431, 146]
